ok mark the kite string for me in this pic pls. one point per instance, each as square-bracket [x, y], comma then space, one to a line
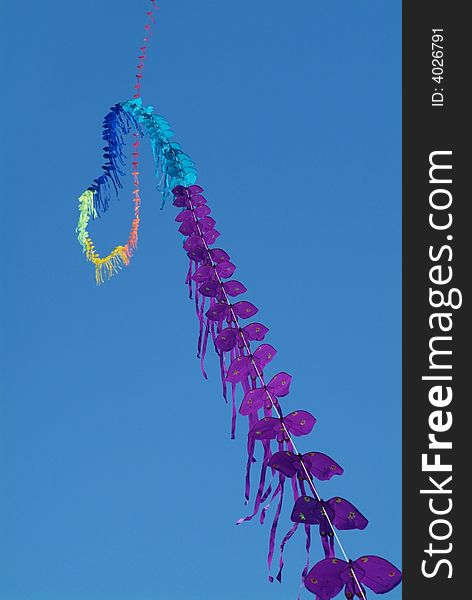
[269, 395]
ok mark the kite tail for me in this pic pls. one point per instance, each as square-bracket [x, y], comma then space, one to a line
[116, 124]
[222, 373]
[251, 444]
[188, 280]
[233, 411]
[261, 496]
[292, 530]
[285, 539]
[268, 490]
[275, 522]
[307, 546]
[201, 321]
[307, 563]
[104, 267]
[93, 199]
[204, 349]
[267, 506]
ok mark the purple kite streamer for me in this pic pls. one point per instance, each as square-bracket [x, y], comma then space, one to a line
[221, 314]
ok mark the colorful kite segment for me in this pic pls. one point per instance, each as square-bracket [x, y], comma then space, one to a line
[243, 354]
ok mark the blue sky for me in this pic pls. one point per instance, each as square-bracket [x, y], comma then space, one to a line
[291, 112]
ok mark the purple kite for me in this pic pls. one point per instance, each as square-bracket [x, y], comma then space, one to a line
[336, 512]
[328, 577]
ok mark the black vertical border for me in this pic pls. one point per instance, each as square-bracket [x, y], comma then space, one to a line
[427, 129]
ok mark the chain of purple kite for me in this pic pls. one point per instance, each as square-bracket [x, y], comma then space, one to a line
[269, 395]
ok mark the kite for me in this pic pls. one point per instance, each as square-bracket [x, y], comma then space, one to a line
[239, 343]
[328, 577]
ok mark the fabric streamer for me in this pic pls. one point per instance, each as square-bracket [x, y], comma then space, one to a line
[227, 320]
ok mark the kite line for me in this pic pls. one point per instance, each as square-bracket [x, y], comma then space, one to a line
[210, 285]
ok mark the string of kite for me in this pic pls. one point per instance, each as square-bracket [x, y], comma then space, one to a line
[243, 360]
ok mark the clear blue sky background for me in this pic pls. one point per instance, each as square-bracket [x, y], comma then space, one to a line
[291, 111]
